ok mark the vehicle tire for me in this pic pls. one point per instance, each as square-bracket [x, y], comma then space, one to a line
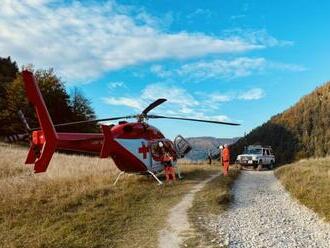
[271, 165]
[259, 168]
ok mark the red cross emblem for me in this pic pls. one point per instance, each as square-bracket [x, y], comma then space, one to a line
[144, 149]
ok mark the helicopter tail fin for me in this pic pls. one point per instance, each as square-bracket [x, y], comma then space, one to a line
[44, 141]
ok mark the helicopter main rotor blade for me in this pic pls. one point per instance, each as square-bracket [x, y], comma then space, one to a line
[96, 120]
[90, 121]
[153, 105]
[191, 119]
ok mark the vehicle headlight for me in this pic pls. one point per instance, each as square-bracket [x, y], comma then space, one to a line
[255, 157]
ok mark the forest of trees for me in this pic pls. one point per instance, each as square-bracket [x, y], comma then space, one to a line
[62, 106]
[302, 131]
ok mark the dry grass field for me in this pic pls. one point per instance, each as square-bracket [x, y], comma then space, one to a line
[75, 203]
[309, 181]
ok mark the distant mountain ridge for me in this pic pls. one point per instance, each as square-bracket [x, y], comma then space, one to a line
[301, 131]
[201, 145]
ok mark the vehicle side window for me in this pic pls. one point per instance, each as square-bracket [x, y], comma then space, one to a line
[267, 152]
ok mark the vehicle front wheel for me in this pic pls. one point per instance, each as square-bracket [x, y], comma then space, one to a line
[271, 166]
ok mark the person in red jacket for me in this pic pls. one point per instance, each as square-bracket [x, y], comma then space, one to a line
[225, 159]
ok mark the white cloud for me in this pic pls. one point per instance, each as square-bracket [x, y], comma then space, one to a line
[179, 101]
[218, 98]
[83, 40]
[200, 12]
[215, 99]
[286, 67]
[115, 85]
[253, 94]
[182, 103]
[224, 69]
[221, 118]
[259, 36]
[218, 68]
[124, 101]
[175, 95]
[160, 71]
[200, 115]
[177, 98]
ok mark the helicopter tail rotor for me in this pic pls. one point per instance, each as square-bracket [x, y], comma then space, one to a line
[24, 121]
[17, 137]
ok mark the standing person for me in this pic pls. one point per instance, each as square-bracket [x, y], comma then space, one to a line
[166, 160]
[225, 159]
[209, 156]
[220, 154]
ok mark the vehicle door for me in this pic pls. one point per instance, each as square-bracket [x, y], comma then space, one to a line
[181, 146]
[264, 156]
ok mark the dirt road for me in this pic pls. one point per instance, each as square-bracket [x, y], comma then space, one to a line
[263, 214]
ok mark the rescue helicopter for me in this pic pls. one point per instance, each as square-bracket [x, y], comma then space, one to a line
[133, 146]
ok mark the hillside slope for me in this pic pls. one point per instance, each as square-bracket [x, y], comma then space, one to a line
[308, 180]
[301, 131]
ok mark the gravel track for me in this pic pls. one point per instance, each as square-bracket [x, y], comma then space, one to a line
[263, 214]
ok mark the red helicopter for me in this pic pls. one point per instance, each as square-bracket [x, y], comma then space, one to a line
[133, 146]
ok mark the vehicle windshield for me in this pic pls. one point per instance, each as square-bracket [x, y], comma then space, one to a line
[254, 151]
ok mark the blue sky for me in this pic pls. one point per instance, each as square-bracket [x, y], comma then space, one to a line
[239, 61]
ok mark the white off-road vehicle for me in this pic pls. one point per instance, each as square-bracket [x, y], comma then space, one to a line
[258, 157]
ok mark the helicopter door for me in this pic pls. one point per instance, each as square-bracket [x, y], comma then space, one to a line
[182, 146]
[155, 161]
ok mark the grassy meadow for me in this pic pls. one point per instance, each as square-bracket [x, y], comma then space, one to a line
[75, 203]
[308, 180]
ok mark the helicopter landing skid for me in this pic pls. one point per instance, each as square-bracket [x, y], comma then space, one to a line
[179, 172]
[154, 176]
[121, 173]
